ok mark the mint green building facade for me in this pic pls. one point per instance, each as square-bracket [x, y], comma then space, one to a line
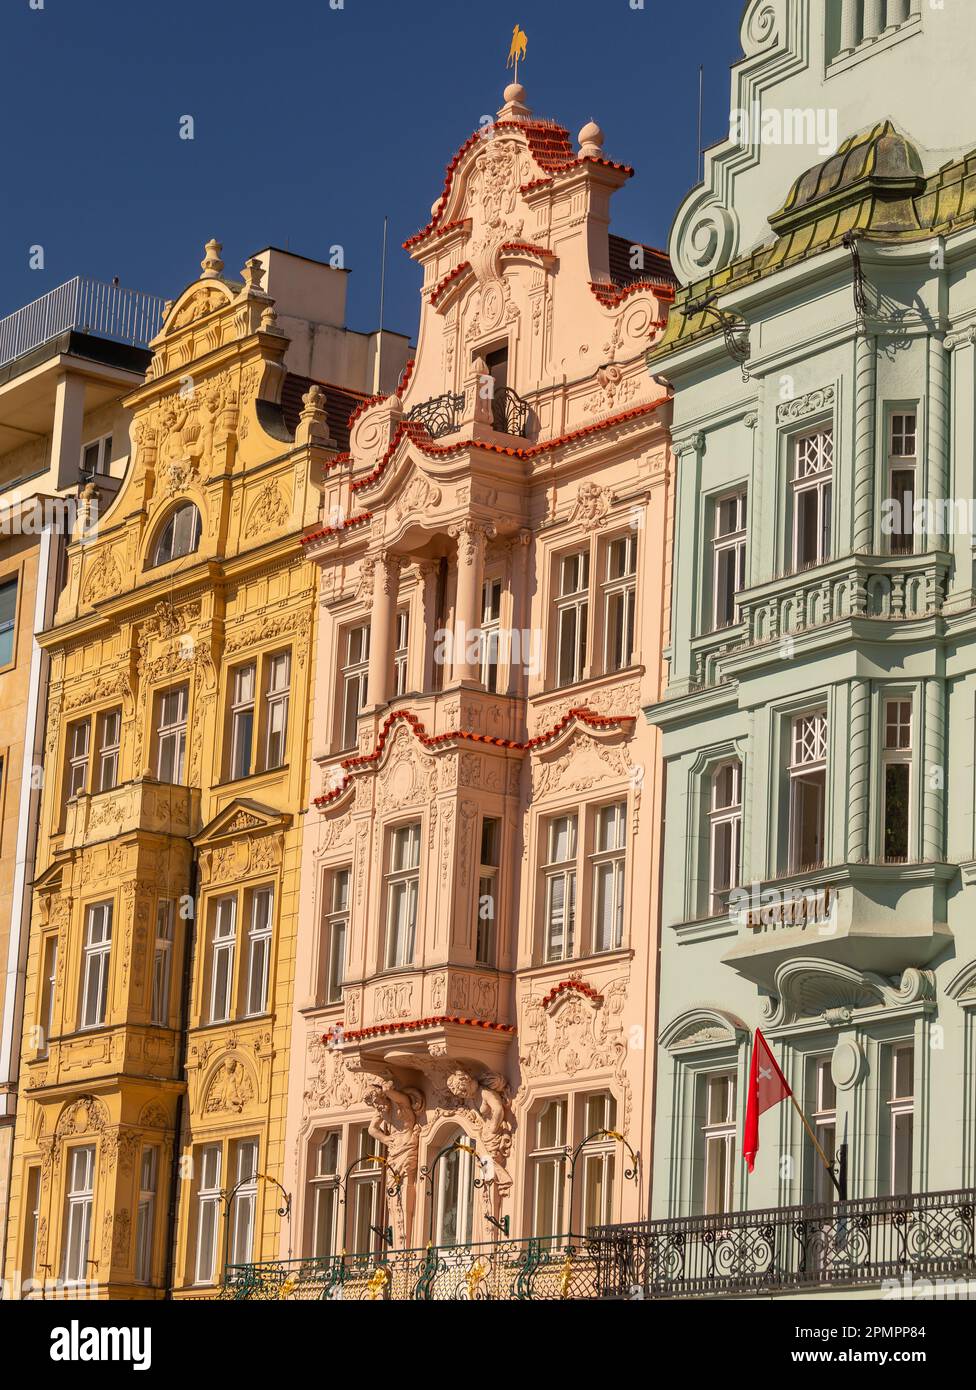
[819, 724]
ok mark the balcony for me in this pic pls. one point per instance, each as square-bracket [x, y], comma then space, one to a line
[560, 1267]
[442, 415]
[846, 1245]
[159, 808]
[87, 306]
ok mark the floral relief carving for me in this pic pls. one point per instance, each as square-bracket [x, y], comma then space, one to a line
[104, 577]
[269, 512]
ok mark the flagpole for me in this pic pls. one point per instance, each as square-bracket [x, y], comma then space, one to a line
[816, 1144]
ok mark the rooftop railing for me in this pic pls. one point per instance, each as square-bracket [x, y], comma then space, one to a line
[88, 306]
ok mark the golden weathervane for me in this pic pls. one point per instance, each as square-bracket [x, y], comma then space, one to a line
[517, 50]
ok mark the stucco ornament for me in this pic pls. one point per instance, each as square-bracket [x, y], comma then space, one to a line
[230, 1090]
[486, 1111]
[396, 1126]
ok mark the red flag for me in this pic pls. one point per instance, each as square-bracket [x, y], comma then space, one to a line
[767, 1087]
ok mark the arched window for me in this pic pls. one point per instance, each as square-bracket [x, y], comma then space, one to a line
[180, 535]
[454, 1195]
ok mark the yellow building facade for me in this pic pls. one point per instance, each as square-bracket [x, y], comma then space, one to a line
[159, 978]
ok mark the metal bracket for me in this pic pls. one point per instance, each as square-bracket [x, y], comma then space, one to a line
[732, 330]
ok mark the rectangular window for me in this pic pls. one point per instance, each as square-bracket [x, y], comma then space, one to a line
[146, 1215]
[276, 707]
[78, 1214]
[728, 559]
[813, 465]
[109, 737]
[725, 835]
[96, 958]
[32, 1223]
[402, 891]
[171, 710]
[901, 1118]
[718, 1134]
[823, 1117]
[485, 933]
[572, 616]
[162, 961]
[96, 457]
[242, 721]
[222, 954]
[324, 1195]
[367, 1198]
[245, 1202]
[608, 877]
[8, 617]
[355, 680]
[76, 778]
[401, 652]
[49, 976]
[259, 950]
[547, 1165]
[597, 1156]
[808, 781]
[491, 613]
[897, 773]
[209, 1198]
[559, 875]
[336, 933]
[619, 603]
[902, 463]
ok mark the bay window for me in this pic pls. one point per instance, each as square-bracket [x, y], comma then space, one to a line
[96, 958]
[76, 776]
[108, 741]
[401, 652]
[902, 463]
[162, 961]
[485, 933]
[897, 775]
[491, 611]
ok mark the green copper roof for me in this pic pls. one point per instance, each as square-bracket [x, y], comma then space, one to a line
[873, 185]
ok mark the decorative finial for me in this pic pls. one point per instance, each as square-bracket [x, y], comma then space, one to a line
[211, 265]
[591, 141]
[269, 319]
[252, 275]
[517, 50]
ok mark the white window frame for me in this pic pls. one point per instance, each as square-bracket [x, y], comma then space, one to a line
[897, 752]
[209, 1202]
[109, 740]
[724, 819]
[355, 681]
[900, 1107]
[560, 944]
[79, 1204]
[78, 756]
[336, 933]
[402, 886]
[324, 1182]
[401, 651]
[49, 980]
[598, 1160]
[183, 527]
[609, 860]
[146, 1213]
[824, 1120]
[243, 1217]
[808, 758]
[260, 924]
[575, 603]
[243, 698]
[728, 543]
[903, 458]
[102, 456]
[490, 636]
[277, 696]
[171, 734]
[223, 955]
[619, 604]
[162, 969]
[718, 1147]
[813, 471]
[96, 964]
[486, 907]
[467, 1170]
[548, 1158]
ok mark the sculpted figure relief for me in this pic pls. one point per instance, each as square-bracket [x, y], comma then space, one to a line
[486, 1104]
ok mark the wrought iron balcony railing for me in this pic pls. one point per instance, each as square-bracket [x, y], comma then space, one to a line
[561, 1267]
[858, 1243]
[90, 306]
[509, 413]
[440, 415]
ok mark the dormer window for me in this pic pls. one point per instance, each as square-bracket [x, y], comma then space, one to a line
[180, 536]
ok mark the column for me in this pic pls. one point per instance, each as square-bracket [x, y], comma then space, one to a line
[859, 772]
[529, 643]
[865, 392]
[933, 771]
[897, 12]
[937, 438]
[873, 18]
[386, 586]
[429, 573]
[69, 411]
[471, 537]
[849, 27]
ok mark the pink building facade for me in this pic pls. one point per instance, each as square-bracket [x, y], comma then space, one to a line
[475, 974]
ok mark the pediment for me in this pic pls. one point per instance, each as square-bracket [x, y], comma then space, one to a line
[242, 817]
[703, 1026]
[812, 987]
[580, 757]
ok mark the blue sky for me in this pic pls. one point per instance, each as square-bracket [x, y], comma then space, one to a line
[311, 123]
